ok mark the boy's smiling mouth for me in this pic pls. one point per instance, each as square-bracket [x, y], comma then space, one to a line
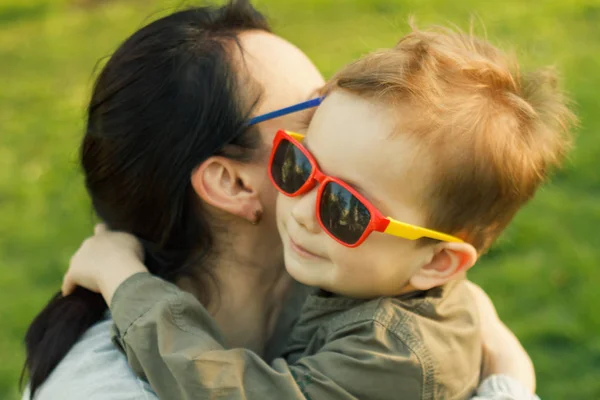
[303, 252]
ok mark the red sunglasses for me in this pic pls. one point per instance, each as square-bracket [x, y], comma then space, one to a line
[342, 212]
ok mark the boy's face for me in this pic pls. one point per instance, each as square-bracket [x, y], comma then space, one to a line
[357, 140]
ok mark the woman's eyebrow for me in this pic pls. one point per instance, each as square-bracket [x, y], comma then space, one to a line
[306, 115]
[315, 93]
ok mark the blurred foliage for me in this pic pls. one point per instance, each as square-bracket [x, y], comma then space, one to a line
[543, 273]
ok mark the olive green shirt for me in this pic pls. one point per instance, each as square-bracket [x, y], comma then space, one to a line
[420, 346]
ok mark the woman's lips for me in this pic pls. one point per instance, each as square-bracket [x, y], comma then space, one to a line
[301, 251]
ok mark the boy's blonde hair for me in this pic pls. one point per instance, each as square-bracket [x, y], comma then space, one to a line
[494, 132]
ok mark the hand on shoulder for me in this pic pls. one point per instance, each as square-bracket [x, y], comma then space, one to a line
[103, 262]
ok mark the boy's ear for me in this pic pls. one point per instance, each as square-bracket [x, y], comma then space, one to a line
[449, 260]
[227, 185]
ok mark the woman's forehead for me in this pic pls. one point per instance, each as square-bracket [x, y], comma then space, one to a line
[286, 75]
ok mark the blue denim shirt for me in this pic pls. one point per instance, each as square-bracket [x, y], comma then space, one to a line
[94, 369]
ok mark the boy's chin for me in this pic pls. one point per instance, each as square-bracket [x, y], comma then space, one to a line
[301, 272]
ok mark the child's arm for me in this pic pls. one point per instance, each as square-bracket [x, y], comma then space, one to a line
[172, 341]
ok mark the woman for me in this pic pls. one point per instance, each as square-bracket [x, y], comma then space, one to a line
[169, 156]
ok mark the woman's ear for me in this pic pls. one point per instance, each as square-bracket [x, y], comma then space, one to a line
[449, 260]
[228, 185]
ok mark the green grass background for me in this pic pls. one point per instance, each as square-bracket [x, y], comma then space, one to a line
[543, 275]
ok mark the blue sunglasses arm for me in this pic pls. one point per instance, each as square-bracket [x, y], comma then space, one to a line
[288, 110]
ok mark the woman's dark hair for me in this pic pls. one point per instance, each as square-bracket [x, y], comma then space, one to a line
[167, 99]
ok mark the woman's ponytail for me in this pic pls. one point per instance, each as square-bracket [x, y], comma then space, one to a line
[56, 329]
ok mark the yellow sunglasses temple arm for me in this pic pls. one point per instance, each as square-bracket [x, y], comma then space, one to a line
[414, 232]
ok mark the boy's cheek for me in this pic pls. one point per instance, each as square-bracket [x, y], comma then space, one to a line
[283, 209]
[280, 206]
[351, 261]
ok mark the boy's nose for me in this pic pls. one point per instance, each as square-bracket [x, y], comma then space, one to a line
[304, 212]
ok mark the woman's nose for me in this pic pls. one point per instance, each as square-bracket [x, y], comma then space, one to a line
[304, 211]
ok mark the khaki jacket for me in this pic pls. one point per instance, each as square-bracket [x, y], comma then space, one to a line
[423, 346]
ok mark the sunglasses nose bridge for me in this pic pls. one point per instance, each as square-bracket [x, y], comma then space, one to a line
[319, 177]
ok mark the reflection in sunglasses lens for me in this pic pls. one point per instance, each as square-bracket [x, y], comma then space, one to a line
[342, 214]
[290, 168]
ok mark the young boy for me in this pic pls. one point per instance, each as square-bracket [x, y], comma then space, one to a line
[441, 131]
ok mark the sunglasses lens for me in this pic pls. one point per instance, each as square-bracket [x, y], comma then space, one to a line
[290, 168]
[342, 214]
